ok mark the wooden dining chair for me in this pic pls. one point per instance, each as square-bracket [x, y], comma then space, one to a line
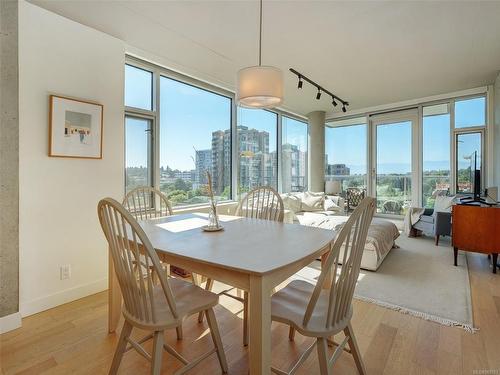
[145, 202]
[149, 306]
[260, 203]
[321, 312]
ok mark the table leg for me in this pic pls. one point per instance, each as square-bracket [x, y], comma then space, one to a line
[495, 259]
[455, 255]
[114, 297]
[259, 305]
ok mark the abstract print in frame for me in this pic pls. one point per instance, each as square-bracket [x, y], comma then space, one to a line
[75, 128]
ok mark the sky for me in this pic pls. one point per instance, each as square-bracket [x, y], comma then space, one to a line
[189, 115]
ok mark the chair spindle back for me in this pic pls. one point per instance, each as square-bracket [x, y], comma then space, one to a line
[351, 239]
[262, 203]
[146, 202]
[127, 243]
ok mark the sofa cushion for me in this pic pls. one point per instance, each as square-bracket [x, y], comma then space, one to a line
[312, 201]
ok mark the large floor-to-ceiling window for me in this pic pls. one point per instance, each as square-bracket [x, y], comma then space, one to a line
[346, 152]
[195, 138]
[139, 126]
[177, 129]
[470, 124]
[436, 171]
[257, 135]
[294, 137]
[415, 154]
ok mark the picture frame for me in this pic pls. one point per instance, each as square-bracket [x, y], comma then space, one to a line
[75, 128]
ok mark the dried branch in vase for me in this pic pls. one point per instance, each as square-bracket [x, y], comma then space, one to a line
[212, 199]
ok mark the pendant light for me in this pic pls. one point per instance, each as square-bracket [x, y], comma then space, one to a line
[260, 86]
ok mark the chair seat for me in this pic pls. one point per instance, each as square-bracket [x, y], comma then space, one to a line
[190, 299]
[290, 304]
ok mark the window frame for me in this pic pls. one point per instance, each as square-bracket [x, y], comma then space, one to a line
[151, 144]
[368, 151]
[280, 152]
[451, 108]
[174, 76]
[484, 129]
[159, 71]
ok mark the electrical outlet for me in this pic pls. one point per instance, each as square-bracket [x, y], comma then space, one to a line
[65, 272]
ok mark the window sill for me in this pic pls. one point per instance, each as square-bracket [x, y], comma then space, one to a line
[224, 208]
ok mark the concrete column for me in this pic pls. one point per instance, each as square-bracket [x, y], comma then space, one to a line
[496, 133]
[316, 151]
[9, 161]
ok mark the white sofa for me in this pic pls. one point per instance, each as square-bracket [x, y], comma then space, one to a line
[322, 211]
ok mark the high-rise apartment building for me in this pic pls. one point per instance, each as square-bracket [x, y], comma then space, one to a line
[203, 161]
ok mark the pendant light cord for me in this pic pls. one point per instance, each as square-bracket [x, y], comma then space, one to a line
[260, 35]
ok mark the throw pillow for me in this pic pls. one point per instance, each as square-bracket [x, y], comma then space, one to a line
[312, 201]
[291, 202]
[443, 203]
[330, 205]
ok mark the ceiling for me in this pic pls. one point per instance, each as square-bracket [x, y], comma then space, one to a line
[368, 53]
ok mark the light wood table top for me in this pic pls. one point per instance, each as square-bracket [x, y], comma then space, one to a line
[247, 245]
[251, 254]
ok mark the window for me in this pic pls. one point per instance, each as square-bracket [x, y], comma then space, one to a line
[138, 171]
[293, 155]
[195, 137]
[470, 112]
[345, 151]
[138, 88]
[257, 135]
[436, 178]
[394, 166]
[467, 145]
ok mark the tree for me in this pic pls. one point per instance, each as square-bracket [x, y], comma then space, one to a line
[180, 184]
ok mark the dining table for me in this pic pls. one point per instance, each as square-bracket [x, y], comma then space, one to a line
[250, 254]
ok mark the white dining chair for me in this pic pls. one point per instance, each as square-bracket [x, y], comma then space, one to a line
[146, 202]
[260, 203]
[322, 312]
[149, 306]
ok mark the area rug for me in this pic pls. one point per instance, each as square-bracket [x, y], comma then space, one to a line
[419, 279]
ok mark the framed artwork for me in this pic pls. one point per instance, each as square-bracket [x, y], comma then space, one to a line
[75, 128]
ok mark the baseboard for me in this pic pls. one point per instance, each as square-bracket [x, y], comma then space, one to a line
[62, 297]
[10, 322]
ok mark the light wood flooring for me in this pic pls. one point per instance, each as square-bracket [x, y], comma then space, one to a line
[73, 339]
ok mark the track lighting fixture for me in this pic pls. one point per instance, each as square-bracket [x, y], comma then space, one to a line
[321, 89]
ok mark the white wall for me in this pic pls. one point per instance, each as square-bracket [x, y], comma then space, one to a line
[58, 197]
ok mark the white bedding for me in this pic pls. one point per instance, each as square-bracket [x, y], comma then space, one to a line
[380, 239]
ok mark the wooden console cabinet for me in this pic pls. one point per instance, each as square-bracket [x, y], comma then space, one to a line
[476, 228]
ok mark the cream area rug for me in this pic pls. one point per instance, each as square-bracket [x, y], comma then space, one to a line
[418, 278]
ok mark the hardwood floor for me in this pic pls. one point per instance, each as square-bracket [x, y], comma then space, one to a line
[72, 339]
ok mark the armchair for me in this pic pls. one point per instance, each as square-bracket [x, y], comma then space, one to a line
[436, 223]
[354, 196]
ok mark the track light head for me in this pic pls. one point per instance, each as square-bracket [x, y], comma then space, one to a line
[299, 85]
[343, 108]
[318, 95]
[334, 102]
